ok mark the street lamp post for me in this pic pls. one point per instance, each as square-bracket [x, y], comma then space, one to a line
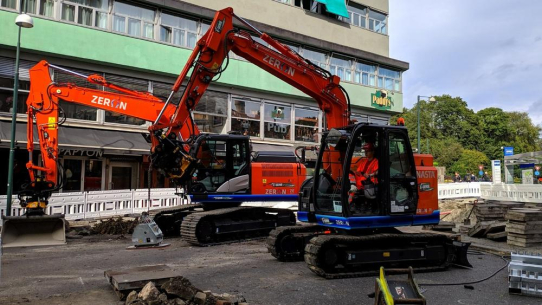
[22, 21]
[431, 99]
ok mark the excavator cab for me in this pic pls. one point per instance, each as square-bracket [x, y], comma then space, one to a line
[223, 164]
[366, 173]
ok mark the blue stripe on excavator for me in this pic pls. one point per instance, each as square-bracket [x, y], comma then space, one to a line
[241, 198]
[349, 223]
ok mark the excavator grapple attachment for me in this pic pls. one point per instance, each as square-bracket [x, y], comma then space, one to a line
[30, 231]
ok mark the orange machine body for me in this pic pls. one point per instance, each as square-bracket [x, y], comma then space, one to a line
[277, 178]
[426, 174]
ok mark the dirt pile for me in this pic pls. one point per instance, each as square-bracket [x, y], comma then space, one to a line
[459, 210]
[115, 226]
[179, 291]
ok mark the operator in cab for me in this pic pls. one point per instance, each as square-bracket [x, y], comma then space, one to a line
[366, 180]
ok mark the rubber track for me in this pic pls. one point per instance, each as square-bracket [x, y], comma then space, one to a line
[279, 233]
[190, 223]
[155, 212]
[321, 242]
[173, 229]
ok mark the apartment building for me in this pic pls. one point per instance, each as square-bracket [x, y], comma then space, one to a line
[143, 45]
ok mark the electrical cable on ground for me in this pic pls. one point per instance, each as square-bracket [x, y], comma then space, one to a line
[473, 282]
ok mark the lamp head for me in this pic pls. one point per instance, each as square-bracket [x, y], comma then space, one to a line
[432, 99]
[24, 20]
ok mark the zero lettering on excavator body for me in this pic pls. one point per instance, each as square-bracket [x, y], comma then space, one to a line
[281, 66]
[114, 103]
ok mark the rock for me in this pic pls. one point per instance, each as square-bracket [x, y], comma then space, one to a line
[179, 302]
[200, 298]
[180, 287]
[132, 296]
[149, 293]
[162, 297]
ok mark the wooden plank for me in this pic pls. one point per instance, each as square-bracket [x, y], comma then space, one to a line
[497, 236]
[534, 227]
[524, 215]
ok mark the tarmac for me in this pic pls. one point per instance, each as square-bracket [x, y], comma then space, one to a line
[74, 274]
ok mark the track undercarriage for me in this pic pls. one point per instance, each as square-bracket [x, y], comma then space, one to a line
[338, 255]
[232, 224]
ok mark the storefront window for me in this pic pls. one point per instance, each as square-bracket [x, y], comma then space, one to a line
[72, 175]
[306, 125]
[246, 117]
[277, 121]
[210, 113]
[93, 175]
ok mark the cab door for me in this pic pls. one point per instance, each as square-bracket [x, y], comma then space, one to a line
[402, 191]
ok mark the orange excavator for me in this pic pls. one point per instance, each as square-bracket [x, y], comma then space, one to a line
[353, 224]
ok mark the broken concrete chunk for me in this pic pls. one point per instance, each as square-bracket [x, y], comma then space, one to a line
[180, 287]
[149, 292]
[132, 296]
[200, 298]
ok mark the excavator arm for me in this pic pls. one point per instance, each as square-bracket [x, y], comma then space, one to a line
[209, 59]
[43, 118]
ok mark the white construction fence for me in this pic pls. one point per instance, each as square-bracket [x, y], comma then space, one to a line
[85, 205]
[513, 192]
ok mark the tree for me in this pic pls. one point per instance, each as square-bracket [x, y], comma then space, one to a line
[469, 162]
[446, 152]
[524, 135]
[496, 131]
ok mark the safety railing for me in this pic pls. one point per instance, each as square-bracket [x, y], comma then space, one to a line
[460, 190]
[86, 205]
[531, 193]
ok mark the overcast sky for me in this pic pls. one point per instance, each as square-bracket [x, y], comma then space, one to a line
[488, 52]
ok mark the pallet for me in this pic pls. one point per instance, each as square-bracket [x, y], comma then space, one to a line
[497, 236]
[531, 227]
[125, 280]
[481, 229]
[524, 215]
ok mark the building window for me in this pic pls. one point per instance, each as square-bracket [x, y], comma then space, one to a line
[85, 12]
[377, 22]
[47, 8]
[317, 58]
[341, 67]
[358, 16]
[277, 121]
[93, 176]
[129, 83]
[359, 118]
[8, 4]
[391, 79]
[365, 74]
[210, 112]
[133, 20]
[178, 30]
[72, 175]
[306, 125]
[6, 95]
[245, 117]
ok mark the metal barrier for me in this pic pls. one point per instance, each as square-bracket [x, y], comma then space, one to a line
[85, 205]
[513, 192]
[460, 190]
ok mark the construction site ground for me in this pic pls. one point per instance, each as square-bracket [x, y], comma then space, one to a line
[74, 274]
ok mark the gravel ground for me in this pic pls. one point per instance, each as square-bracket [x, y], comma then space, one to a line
[73, 274]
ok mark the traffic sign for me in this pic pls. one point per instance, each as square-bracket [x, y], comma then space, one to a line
[537, 168]
[481, 173]
[537, 173]
[481, 167]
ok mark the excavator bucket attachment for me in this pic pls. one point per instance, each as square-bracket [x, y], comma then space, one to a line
[30, 231]
[460, 257]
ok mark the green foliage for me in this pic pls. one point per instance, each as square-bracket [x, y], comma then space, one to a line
[461, 139]
[469, 162]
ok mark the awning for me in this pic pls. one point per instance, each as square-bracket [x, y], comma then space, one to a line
[337, 7]
[108, 141]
